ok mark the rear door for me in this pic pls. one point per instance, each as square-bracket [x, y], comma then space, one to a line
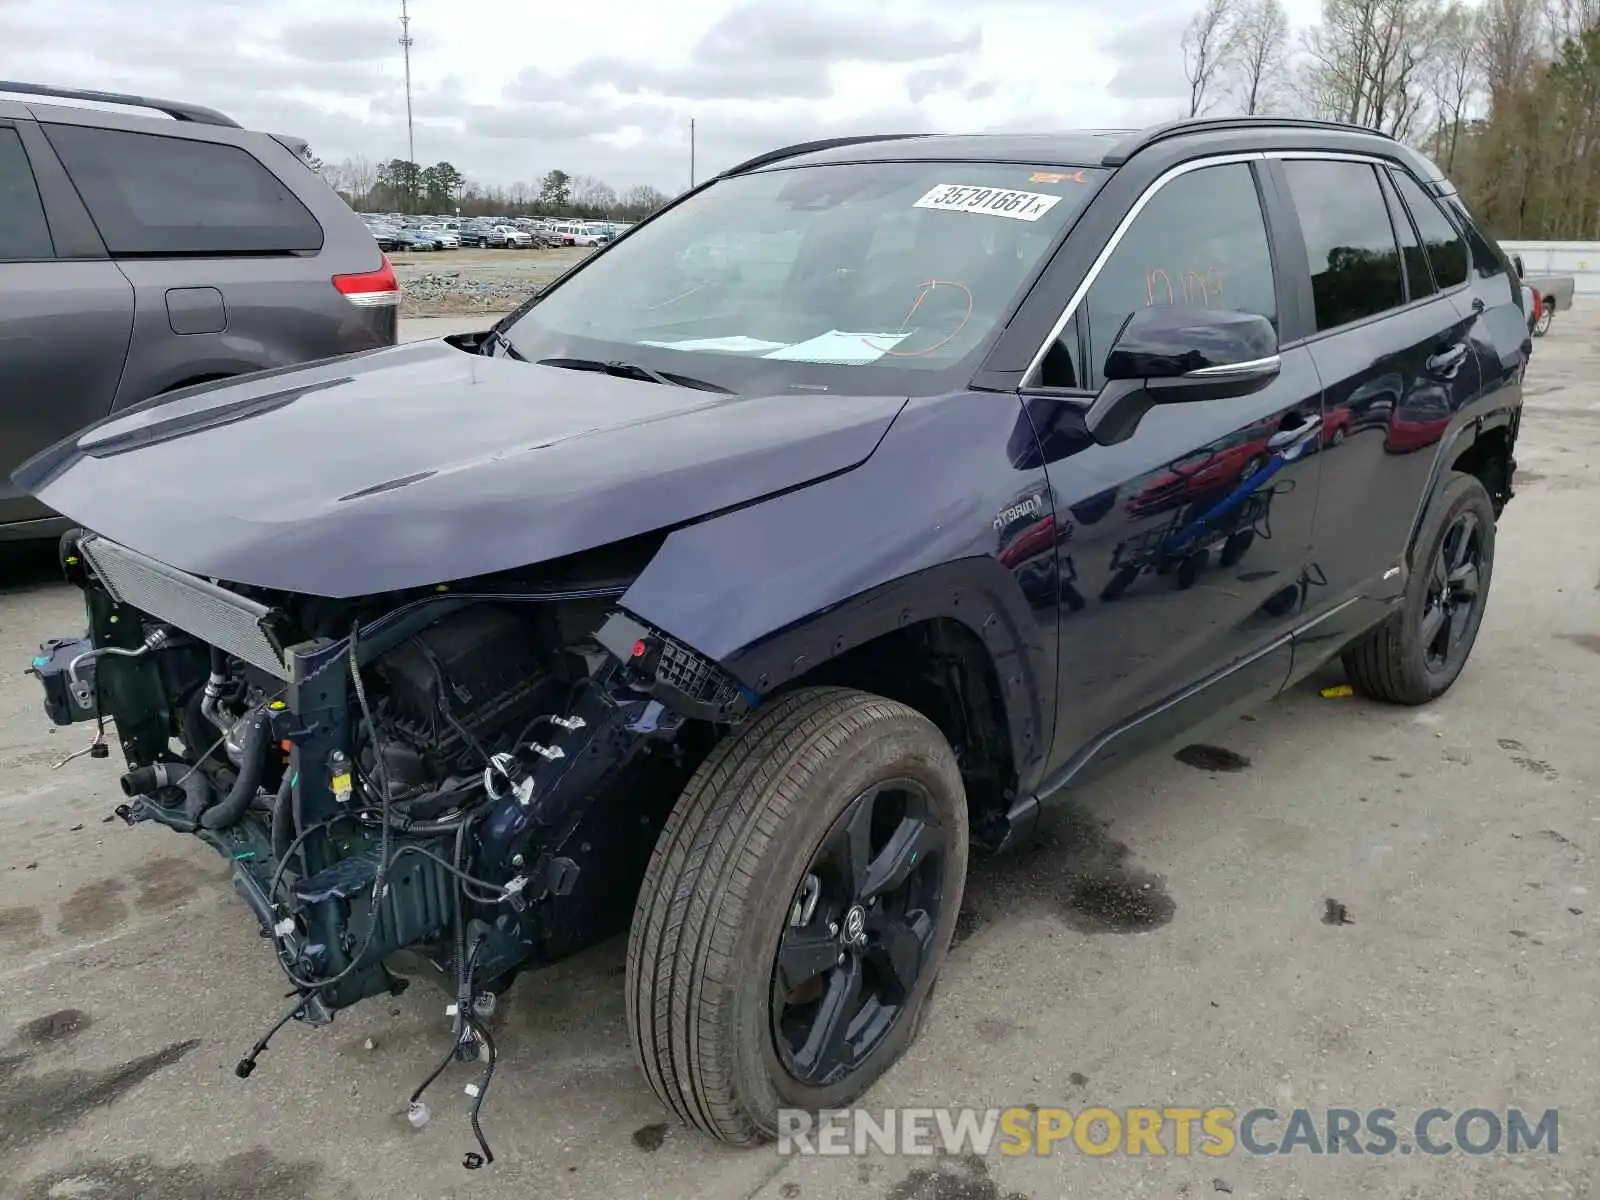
[222, 254]
[1489, 299]
[65, 314]
[1392, 348]
[1180, 552]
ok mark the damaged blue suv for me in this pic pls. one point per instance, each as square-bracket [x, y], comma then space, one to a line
[834, 521]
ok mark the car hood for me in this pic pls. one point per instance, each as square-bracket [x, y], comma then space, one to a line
[422, 463]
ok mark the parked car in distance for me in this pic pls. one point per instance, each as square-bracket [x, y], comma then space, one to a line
[1550, 292]
[479, 233]
[448, 239]
[153, 247]
[387, 236]
[512, 237]
[415, 239]
[733, 590]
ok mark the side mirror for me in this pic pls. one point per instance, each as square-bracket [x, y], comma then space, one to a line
[1172, 354]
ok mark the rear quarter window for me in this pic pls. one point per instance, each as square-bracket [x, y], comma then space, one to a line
[150, 194]
[1446, 249]
[24, 233]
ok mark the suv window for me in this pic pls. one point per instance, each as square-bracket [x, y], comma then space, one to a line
[24, 234]
[1419, 278]
[877, 277]
[1355, 264]
[1200, 240]
[1446, 251]
[155, 195]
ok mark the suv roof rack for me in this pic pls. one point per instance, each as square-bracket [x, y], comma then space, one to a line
[1124, 150]
[178, 112]
[799, 148]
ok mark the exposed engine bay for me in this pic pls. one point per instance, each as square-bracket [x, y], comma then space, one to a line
[454, 785]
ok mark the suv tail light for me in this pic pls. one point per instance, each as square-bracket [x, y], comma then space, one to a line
[370, 289]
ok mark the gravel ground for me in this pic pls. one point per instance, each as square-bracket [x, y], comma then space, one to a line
[472, 281]
[1462, 839]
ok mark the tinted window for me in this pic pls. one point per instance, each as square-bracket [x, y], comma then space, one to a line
[1200, 240]
[1446, 251]
[23, 231]
[150, 194]
[1419, 278]
[1487, 260]
[1355, 265]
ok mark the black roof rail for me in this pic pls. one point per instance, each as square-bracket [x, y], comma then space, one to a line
[799, 148]
[1124, 150]
[178, 112]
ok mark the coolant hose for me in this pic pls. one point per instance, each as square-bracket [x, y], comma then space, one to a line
[197, 795]
[147, 781]
[283, 824]
[252, 763]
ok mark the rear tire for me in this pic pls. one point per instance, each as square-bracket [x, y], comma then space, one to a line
[743, 882]
[1547, 314]
[1419, 650]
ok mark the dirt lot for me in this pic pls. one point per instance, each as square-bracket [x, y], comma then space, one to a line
[445, 282]
[1463, 840]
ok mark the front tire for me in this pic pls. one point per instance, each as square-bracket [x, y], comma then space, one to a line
[1419, 650]
[796, 911]
[1547, 314]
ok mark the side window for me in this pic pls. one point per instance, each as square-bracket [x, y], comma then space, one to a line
[1446, 250]
[1355, 264]
[1487, 260]
[1200, 241]
[1419, 278]
[24, 234]
[156, 195]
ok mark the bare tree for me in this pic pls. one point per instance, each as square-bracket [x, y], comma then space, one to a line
[1455, 77]
[1207, 45]
[337, 176]
[1509, 37]
[1368, 61]
[360, 175]
[1260, 57]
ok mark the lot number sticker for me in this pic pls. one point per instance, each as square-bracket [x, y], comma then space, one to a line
[992, 202]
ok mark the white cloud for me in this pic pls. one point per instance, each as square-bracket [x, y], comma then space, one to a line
[506, 91]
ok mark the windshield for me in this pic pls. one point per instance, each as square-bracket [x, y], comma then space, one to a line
[867, 277]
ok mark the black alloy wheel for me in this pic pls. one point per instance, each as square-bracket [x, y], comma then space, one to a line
[860, 931]
[1453, 587]
[796, 911]
[1417, 652]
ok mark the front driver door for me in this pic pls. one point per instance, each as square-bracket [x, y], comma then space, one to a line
[1182, 552]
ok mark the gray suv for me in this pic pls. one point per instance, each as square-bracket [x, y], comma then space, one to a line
[140, 254]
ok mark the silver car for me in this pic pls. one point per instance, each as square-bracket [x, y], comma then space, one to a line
[141, 253]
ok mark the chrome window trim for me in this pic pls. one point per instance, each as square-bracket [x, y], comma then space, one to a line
[1029, 379]
[1071, 309]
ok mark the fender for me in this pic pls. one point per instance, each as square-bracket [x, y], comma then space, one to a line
[1462, 433]
[772, 590]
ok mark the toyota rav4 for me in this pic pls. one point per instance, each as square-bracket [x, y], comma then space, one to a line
[836, 520]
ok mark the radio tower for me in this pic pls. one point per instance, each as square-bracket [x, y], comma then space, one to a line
[405, 47]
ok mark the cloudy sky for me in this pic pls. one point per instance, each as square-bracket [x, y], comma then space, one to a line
[507, 90]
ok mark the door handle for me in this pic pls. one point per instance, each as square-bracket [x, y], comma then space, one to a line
[1286, 438]
[1477, 304]
[1448, 361]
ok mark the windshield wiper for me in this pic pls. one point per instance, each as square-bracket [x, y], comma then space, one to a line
[626, 370]
[496, 338]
